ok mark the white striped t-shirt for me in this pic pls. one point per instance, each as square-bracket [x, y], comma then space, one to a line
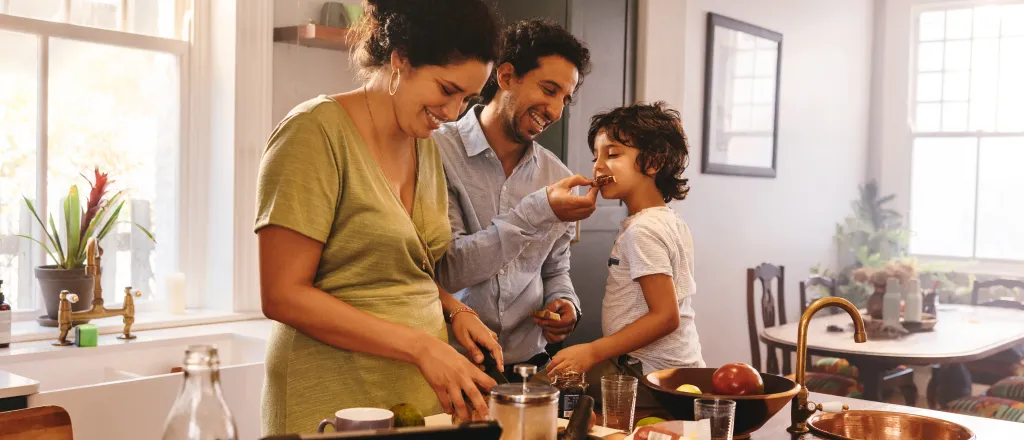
[653, 241]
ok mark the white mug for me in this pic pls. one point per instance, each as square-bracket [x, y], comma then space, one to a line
[359, 419]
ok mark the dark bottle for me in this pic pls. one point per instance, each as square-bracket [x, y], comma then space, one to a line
[5, 319]
[572, 386]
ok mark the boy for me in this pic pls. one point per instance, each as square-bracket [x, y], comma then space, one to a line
[647, 317]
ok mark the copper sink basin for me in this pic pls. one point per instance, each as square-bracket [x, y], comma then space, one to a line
[883, 425]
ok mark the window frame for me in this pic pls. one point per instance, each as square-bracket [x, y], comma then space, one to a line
[894, 108]
[180, 48]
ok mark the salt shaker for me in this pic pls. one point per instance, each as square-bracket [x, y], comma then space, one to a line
[891, 303]
[913, 307]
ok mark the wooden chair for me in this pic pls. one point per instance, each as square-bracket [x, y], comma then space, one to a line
[815, 281]
[772, 310]
[40, 423]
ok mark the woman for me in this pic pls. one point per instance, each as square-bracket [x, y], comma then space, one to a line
[352, 218]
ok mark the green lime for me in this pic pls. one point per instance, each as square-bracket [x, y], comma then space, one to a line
[407, 415]
[649, 421]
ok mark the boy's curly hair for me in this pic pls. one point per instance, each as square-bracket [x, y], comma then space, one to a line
[655, 130]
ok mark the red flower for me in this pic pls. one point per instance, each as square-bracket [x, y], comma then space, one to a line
[99, 189]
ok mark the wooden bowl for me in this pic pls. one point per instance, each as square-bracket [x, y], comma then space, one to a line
[752, 412]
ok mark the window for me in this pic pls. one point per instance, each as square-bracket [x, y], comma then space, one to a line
[83, 84]
[967, 131]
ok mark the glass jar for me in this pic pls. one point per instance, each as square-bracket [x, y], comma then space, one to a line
[525, 411]
[200, 412]
[572, 386]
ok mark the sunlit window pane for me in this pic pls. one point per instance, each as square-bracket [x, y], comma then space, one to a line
[154, 17]
[958, 24]
[105, 14]
[956, 86]
[929, 117]
[929, 87]
[958, 55]
[954, 116]
[117, 108]
[19, 54]
[943, 178]
[933, 26]
[51, 10]
[929, 56]
[1000, 189]
[986, 22]
[1013, 20]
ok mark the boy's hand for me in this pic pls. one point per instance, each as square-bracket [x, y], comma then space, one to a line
[557, 331]
[579, 358]
[569, 207]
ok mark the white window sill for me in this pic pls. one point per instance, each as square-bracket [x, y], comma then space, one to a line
[27, 331]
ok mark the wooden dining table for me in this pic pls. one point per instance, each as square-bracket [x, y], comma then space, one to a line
[962, 333]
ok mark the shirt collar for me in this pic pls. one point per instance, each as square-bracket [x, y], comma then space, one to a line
[475, 142]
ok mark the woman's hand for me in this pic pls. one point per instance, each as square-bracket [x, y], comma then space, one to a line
[471, 333]
[579, 358]
[450, 375]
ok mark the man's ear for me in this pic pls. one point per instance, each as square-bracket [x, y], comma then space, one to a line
[506, 74]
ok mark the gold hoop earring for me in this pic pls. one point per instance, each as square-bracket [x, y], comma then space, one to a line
[392, 82]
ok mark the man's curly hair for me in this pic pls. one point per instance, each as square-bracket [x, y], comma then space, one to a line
[525, 42]
[655, 130]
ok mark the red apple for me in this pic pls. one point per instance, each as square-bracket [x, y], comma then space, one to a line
[737, 379]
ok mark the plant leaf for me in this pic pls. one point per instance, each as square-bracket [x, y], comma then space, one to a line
[60, 249]
[41, 244]
[74, 219]
[110, 222]
[32, 208]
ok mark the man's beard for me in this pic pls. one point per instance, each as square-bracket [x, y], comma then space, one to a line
[512, 129]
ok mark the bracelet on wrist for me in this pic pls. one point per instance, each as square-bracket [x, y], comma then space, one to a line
[451, 316]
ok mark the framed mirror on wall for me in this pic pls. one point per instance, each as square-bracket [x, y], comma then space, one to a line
[741, 98]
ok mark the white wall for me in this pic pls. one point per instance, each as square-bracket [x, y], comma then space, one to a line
[739, 222]
[301, 73]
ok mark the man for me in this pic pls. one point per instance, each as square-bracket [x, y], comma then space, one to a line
[511, 202]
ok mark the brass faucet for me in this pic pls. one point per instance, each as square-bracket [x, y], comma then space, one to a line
[65, 316]
[801, 409]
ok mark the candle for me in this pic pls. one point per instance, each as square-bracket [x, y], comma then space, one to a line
[175, 288]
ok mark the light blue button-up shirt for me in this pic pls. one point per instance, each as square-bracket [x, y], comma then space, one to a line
[509, 253]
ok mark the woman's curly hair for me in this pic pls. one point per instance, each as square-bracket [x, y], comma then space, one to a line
[427, 32]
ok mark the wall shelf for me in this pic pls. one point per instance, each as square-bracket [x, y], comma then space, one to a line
[314, 35]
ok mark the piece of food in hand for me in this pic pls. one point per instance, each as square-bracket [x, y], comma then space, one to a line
[603, 180]
[687, 388]
[407, 415]
[581, 421]
[737, 379]
[546, 314]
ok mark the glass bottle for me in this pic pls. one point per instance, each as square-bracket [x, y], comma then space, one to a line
[572, 386]
[200, 412]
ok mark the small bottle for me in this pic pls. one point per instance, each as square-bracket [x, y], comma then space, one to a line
[200, 412]
[891, 302]
[5, 319]
[572, 387]
[914, 305]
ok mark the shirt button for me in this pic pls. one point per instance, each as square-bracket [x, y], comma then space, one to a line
[501, 272]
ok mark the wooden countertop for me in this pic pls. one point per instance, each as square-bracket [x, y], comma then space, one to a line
[983, 428]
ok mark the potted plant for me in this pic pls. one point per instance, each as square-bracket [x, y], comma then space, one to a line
[873, 246]
[96, 219]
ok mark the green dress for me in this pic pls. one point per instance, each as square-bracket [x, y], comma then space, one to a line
[318, 177]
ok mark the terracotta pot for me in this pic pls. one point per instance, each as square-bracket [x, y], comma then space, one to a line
[52, 280]
[875, 303]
